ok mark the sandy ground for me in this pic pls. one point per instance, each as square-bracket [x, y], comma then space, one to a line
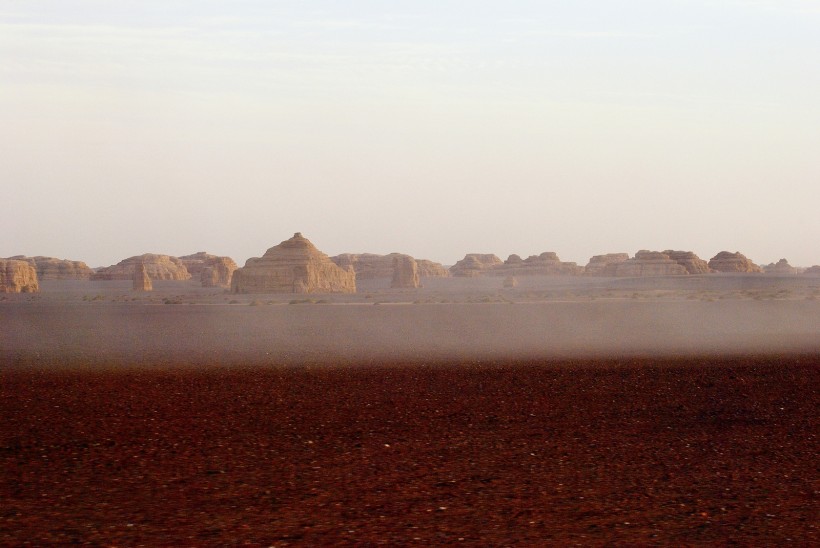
[566, 411]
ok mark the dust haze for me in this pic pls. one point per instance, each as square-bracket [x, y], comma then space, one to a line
[449, 319]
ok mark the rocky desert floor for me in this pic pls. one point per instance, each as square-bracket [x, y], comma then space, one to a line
[586, 412]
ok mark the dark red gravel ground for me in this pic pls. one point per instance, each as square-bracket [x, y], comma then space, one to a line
[681, 452]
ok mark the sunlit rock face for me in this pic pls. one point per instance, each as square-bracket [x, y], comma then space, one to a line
[649, 263]
[18, 277]
[604, 265]
[49, 268]
[211, 270]
[141, 280]
[688, 260]
[545, 264]
[475, 264]
[726, 261]
[370, 266]
[293, 266]
[158, 267]
[405, 272]
[781, 268]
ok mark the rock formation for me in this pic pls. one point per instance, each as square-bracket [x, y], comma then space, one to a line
[688, 260]
[141, 280]
[812, 271]
[781, 268]
[405, 272]
[18, 277]
[49, 268]
[604, 265]
[430, 269]
[293, 266]
[649, 263]
[369, 266]
[732, 262]
[211, 270]
[545, 264]
[158, 267]
[510, 282]
[475, 264]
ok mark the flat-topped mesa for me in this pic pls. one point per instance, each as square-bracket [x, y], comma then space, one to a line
[158, 267]
[688, 260]
[211, 270]
[649, 263]
[405, 272]
[732, 262]
[293, 266]
[18, 277]
[49, 268]
[604, 265]
[475, 264]
[781, 268]
[545, 264]
[141, 281]
[370, 266]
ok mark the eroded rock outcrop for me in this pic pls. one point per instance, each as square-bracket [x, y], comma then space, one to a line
[732, 262]
[649, 263]
[475, 264]
[604, 265]
[688, 260]
[510, 282]
[369, 266]
[49, 268]
[545, 264]
[18, 277]
[293, 266]
[812, 271]
[158, 267]
[211, 270]
[141, 280]
[405, 272]
[781, 268]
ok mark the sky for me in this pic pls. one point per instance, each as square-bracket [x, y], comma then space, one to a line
[433, 128]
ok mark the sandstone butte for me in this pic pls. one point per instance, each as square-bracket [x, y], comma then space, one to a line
[604, 265]
[649, 263]
[49, 268]
[211, 270]
[293, 266]
[545, 264]
[141, 280]
[369, 266]
[781, 268]
[732, 262]
[158, 267]
[813, 271]
[405, 272]
[18, 277]
[688, 260]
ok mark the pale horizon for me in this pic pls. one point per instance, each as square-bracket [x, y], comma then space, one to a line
[434, 129]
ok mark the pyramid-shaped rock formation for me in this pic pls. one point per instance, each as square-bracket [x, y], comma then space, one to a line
[732, 262]
[18, 277]
[688, 260]
[475, 264]
[781, 268]
[293, 266]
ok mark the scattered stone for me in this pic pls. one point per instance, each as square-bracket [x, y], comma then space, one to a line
[142, 282]
[158, 267]
[405, 272]
[732, 262]
[293, 266]
[18, 277]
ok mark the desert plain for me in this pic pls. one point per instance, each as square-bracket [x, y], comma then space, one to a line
[567, 410]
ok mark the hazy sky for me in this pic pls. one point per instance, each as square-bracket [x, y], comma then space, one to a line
[433, 128]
